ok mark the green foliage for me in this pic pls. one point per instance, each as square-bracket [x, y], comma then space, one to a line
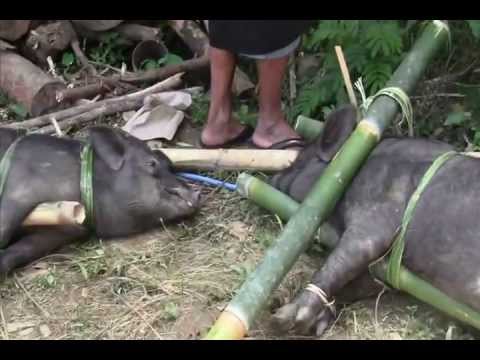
[68, 63]
[3, 99]
[475, 28]
[199, 109]
[68, 59]
[12, 109]
[169, 59]
[373, 49]
[463, 122]
[19, 111]
[111, 50]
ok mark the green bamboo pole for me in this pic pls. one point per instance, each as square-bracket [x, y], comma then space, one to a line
[424, 291]
[266, 196]
[308, 128]
[299, 231]
[284, 206]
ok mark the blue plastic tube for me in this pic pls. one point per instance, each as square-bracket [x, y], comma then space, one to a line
[208, 181]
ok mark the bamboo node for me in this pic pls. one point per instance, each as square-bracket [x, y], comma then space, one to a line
[371, 128]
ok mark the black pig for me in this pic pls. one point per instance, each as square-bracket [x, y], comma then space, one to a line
[134, 190]
[441, 244]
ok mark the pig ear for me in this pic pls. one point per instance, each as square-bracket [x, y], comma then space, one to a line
[108, 145]
[339, 125]
[162, 157]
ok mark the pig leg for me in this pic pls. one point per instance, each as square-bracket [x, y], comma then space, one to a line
[363, 241]
[36, 245]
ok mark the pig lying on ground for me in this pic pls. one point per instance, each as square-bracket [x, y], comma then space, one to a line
[134, 190]
[441, 243]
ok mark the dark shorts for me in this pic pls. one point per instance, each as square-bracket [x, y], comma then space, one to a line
[258, 38]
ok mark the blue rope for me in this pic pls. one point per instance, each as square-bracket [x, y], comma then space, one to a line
[208, 181]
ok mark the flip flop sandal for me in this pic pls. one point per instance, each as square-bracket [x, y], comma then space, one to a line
[284, 144]
[241, 138]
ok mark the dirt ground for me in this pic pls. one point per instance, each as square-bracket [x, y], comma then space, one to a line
[173, 282]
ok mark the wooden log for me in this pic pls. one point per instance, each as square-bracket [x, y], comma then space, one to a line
[104, 110]
[57, 213]
[191, 34]
[21, 80]
[12, 30]
[97, 36]
[119, 105]
[140, 77]
[90, 91]
[138, 33]
[164, 72]
[230, 159]
[97, 25]
[167, 84]
[198, 42]
[48, 40]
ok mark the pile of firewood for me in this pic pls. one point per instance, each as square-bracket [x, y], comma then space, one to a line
[29, 50]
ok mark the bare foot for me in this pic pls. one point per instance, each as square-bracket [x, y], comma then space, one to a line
[271, 130]
[220, 130]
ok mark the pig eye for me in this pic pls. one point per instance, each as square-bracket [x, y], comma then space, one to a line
[152, 163]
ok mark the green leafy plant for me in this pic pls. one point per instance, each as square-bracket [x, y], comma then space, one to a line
[110, 50]
[474, 27]
[12, 109]
[3, 99]
[373, 49]
[199, 109]
[463, 122]
[68, 63]
[168, 59]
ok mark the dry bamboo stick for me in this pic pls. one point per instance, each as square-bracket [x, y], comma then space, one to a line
[231, 159]
[56, 213]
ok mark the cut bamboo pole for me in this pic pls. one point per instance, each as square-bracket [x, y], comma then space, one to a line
[266, 196]
[329, 188]
[308, 128]
[57, 213]
[231, 159]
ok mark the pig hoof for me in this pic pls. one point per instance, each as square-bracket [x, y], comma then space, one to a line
[304, 316]
[284, 319]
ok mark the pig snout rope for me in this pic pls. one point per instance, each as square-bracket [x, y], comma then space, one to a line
[86, 182]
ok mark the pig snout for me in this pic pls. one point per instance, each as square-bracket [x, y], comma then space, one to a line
[179, 201]
[189, 196]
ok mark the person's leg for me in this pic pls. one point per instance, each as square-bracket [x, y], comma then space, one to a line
[220, 127]
[272, 126]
